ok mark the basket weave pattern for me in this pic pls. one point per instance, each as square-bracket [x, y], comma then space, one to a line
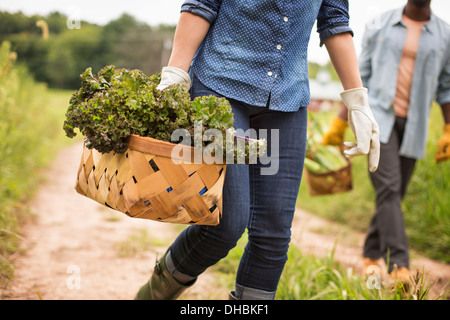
[330, 182]
[150, 185]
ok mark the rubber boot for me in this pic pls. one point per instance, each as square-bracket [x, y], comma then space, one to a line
[400, 277]
[370, 266]
[162, 285]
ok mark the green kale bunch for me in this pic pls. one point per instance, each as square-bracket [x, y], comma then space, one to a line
[116, 103]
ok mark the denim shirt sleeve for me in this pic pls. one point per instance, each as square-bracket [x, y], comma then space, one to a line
[207, 9]
[333, 18]
[443, 92]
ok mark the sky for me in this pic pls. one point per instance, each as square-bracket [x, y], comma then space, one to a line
[154, 12]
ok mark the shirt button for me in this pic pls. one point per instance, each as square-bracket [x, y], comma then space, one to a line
[286, 19]
[269, 73]
[279, 47]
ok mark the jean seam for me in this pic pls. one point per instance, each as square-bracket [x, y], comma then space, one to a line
[251, 217]
[188, 252]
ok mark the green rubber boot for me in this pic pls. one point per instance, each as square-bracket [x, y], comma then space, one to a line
[161, 286]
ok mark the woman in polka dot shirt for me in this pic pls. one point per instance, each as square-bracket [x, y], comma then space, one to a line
[254, 53]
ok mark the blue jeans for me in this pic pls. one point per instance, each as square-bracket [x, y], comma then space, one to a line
[262, 203]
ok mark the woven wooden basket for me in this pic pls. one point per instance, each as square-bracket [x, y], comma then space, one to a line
[329, 182]
[144, 182]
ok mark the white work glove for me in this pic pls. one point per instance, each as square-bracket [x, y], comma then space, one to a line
[173, 75]
[363, 125]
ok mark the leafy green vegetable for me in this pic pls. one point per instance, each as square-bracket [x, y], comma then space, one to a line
[116, 103]
[321, 158]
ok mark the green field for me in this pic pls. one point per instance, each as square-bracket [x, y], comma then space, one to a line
[30, 135]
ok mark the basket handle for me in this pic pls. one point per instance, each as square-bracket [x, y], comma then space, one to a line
[158, 147]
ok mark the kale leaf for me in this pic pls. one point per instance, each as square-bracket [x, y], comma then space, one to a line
[115, 103]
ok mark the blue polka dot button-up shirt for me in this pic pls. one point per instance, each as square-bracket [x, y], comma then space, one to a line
[256, 50]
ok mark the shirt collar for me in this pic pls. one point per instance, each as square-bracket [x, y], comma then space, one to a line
[397, 19]
[397, 16]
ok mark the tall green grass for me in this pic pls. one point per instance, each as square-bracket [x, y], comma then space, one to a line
[30, 133]
[308, 277]
[426, 204]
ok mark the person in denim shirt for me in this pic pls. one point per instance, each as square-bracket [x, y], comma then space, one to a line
[405, 64]
[254, 53]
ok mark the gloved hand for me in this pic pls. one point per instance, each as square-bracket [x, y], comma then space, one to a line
[443, 150]
[335, 135]
[363, 125]
[173, 75]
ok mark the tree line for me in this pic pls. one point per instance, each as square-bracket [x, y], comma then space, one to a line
[66, 52]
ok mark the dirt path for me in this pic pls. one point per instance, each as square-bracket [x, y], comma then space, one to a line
[71, 252]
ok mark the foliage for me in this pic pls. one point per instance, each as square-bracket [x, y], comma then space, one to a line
[426, 204]
[116, 103]
[309, 277]
[124, 42]
[58, 60]
[28, 131]
[320, 158]
[314, 69]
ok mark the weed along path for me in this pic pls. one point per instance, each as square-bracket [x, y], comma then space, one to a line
[78, 249]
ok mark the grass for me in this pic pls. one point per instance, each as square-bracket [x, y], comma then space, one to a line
[138, 242]
[308, 277]
[30, 134]
[426, 206]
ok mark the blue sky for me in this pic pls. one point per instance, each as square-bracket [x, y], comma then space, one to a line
[155, 12]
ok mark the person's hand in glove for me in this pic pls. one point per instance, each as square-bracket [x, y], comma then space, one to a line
[443, 150]
[335, 135]
[173, 75]
[363, 125]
